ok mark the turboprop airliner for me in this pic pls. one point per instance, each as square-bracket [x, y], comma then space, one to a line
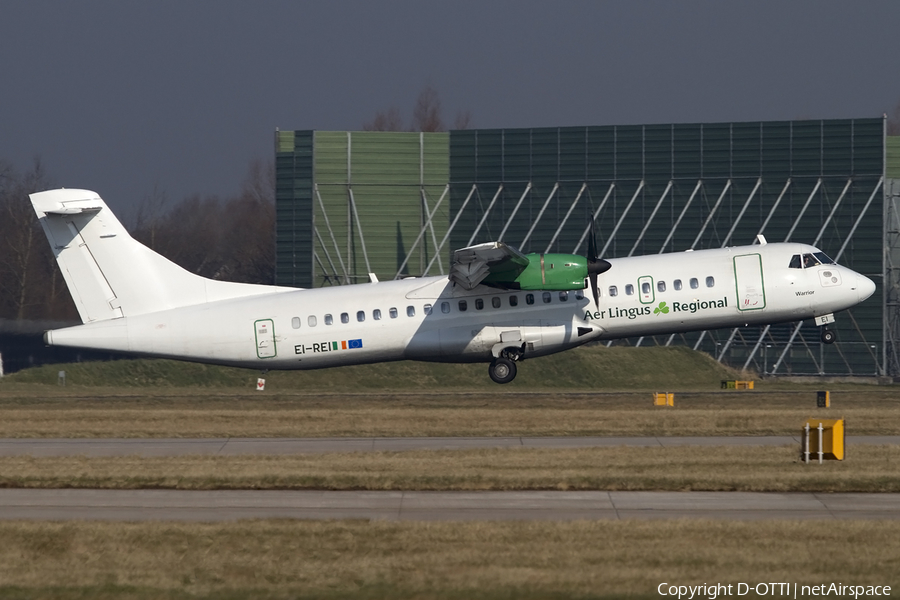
[497, 305]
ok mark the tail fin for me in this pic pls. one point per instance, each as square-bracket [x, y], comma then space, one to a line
[112, 275]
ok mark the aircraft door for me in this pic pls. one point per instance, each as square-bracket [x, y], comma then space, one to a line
[748, 278]
[265, 338]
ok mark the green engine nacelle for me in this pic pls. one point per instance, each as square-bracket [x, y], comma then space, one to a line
[545, 272]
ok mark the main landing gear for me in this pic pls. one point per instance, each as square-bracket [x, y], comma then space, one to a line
[503, 368]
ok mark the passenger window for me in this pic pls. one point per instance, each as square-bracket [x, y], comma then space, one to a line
[445, 307]
[694, 283]
[677, 285]
[529, 298]
[463, 306]
[613, 290]
[311, 320]
[360, 315]
[410, 311]
[564, 296]
[295, 322]
[427, 309]
[513, 300]
[710, 281]
[660, 286]
[345, 318]
[393, 313]
[479, 304]
[376, 314]
[645, 287]
[629, 289]
[329, 319]
[795, 262]
[495, 302]
[547, 297]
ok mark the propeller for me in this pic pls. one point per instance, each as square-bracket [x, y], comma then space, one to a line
[595, 265]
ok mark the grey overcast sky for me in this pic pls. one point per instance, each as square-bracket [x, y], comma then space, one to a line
[122, 96]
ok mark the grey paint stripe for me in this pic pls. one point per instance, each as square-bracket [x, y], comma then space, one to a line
[227, 505]
[285, 446]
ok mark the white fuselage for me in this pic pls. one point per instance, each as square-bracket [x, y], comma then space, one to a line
[431, 319]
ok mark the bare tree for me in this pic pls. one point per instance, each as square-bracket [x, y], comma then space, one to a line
[893, 122]
[259, 183]
[463, 120]
[231, 239]
[427, 113]
[150, 212]
[254, 209]
[28, 273]
[426, 116]
[385, 120]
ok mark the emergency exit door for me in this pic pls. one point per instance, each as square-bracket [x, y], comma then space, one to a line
[748, 278]
[265, 338]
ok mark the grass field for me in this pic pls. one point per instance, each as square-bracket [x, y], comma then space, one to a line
[353, 559]
[728, 468]
[586, 368]
[588, 391]
[591, 391]
[202, 412]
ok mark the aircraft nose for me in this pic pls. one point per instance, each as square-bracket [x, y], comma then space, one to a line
[865, 287]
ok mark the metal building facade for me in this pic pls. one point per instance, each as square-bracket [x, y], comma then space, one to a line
[353, 203]
[652, 189]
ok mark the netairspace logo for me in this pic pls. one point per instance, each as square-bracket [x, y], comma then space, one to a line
[790, 590]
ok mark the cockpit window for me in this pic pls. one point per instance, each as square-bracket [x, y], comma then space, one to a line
[809, 260]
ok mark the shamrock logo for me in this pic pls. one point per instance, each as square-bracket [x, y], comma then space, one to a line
[661, 309]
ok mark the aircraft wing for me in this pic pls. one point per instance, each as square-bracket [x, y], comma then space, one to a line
[473, 264]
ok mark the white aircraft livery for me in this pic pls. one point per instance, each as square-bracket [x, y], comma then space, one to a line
[497, 305]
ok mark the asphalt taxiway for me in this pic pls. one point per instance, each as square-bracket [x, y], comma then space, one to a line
[227, 505]
[148, 447]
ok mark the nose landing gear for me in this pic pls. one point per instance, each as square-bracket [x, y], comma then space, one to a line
[823, 321]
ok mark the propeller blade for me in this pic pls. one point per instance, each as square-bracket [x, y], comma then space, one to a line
[592, 244]
[596, 265]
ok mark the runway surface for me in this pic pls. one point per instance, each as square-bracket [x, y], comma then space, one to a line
[226, 505]
[282, 446]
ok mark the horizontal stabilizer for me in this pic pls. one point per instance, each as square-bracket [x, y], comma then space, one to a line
[67, 202]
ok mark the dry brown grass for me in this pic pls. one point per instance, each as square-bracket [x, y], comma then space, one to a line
[355, 559]
[867, 469]
[204, 413]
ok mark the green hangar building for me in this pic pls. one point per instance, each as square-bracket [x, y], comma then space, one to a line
[397, 204]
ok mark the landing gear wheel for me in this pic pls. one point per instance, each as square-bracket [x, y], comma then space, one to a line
[502, 370]
[828, 336]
